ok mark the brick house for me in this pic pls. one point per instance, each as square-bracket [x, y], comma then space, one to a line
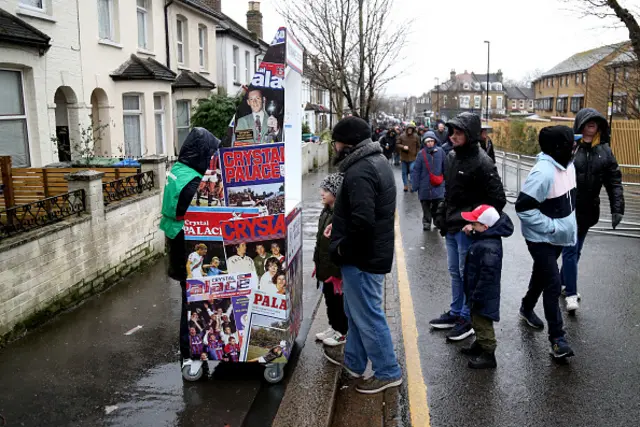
[624, 76]
[579, 81]
[519, 99]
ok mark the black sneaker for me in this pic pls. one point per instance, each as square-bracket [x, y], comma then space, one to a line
[531, 318]
[560, 349]
[473, 350]
[446, 321]
[461, 330]
[486, 360]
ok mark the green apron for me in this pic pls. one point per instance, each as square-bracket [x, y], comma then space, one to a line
[177, 179]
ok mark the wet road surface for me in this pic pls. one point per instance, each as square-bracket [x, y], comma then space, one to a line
[81, 369]
[598, 387]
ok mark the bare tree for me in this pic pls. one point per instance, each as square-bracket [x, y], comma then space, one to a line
[352, 45]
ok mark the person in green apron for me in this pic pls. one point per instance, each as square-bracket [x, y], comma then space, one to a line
[182, 184]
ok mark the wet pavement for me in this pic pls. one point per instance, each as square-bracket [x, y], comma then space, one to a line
[81, 369]
[598, 387]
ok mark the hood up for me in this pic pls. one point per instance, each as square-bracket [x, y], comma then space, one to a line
[469, 123]
[197, 149]
[589, 114]
[430, 134]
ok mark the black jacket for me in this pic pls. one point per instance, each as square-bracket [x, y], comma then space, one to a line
[471, 178]
[488, 148]
[196, 153]
[325, 268]
[595, 167]
[363, 216]
[388, 144]
[483, 269]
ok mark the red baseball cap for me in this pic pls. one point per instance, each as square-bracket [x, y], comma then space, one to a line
[484, 214]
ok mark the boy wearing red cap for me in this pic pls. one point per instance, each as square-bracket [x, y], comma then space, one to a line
[482, 273]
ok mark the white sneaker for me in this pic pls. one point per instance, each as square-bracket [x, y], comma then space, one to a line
[335, 340]
[572, 303]
[321, 336]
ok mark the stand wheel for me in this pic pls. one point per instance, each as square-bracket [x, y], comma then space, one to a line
[274, 373]
[188, 376]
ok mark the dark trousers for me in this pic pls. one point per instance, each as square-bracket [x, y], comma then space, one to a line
[545, 281]
[335, 309]
[185, 350]
[485, 334]
[429, 208]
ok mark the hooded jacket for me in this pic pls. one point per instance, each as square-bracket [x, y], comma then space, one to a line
[325, 268]
[483, 269]
[412, 141]
[388, 143]
[546, 204]
[441, 136]
[194, 158]
[363, 215]
[595, 166]
[471, 178]
[420, 180]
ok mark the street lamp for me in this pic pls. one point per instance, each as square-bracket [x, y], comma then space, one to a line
[437, 97]
[488, 57]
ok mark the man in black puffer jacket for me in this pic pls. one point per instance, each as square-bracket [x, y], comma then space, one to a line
[471, 179]
[362, 238]
[595, 166]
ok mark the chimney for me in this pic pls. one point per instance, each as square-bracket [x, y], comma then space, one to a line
[499, 75]
[453, 75]
[214, 4]
[254, 18]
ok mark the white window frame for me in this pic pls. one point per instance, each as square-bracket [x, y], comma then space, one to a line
[477, 101]
[247, 66]
[23, 116]
[499, 103]
[514, 104]
[140, 114]
[464, 102]
[236, 66]
[178, 127]
[112, 27]
[160, 114]
[488, 102]
[42, 8]
[202, 47]
[522, 104]
[144, 11]
[180, 47]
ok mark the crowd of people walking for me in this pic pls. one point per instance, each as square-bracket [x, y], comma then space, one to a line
[452, 169]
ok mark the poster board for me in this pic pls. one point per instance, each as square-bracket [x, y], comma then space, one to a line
[243, 231]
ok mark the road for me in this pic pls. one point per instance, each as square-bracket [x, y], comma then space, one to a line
[80, 365]
[599, 387]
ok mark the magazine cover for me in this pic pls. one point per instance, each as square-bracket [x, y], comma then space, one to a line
[210, 191]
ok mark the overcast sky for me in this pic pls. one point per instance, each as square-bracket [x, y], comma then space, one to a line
[450, 34]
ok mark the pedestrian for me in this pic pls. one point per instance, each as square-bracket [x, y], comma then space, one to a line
[486, 143]
[546, 209]
[388, 143]
[408, 146]
[447, 146]
[181, 186]
[328, 273]
[421, 134]
[427, 178]
[595, 166]
[396, 155]
[471, 179]
[483, 270]
[362, 239]
[442, 135]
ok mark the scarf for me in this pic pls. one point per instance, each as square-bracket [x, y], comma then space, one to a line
[363, 149]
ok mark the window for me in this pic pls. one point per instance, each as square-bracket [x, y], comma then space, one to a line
[158, 113]
[13, 118]
[236, 61]
[464, 102]
[183, 120]
[577, 103]
[616, 74]
[584, 78]
[142, 23]
[35, 4]
[577, 79]
[620, 104]
[561, 105]
[445, 100]
[476, 86]
[531, 104]
[466, 86]
[553, 82]
[105, 20]
[132, 111]
[202, 46]
[514, 105]
[181, 40]
[545, 104]
[522, 104]
[477, 101]
[499, 102]
[247, 66]
[626, 74]
[497, 86]
[489, 102]
[319, 96]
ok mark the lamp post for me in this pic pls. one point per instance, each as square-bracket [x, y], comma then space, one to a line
[488, 57]
[437, 97]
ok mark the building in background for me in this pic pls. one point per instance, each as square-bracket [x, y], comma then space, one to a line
[624, 78]
[316, 102]
[577, 82]
[520, 100]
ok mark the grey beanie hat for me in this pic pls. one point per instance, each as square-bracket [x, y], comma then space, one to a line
[332, 183]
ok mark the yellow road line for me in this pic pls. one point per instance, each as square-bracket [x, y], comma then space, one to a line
[418, 406]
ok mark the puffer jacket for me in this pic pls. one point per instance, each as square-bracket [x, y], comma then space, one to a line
[483, 269]
[413, 142]
[420, 180]
[363, 216]
[388, 144]
[325, 268]
[471, 178]
[595, 166]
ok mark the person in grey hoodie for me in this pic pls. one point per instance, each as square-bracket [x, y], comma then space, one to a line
[546, 208]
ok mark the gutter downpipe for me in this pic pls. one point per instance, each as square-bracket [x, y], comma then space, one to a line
[166, 30]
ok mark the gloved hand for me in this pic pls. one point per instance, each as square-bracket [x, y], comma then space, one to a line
[615, 220]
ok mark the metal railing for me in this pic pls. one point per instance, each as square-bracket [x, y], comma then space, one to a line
[126, 187]
[514, 169]
[47, 211]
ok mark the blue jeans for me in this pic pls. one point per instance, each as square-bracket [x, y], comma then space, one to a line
[570, 259]
[407, 167]
[396, 158]
[457, 248]
[369, 336]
